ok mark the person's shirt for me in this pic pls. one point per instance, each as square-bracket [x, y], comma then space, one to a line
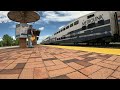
[30, 32]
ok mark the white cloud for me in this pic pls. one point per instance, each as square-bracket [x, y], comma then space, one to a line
[1, 39]
[13, 26]
[13, 37]
[61, 27]
[47, 16]
[41, 28]
[42, 38]
[61, 16]
[3, 17]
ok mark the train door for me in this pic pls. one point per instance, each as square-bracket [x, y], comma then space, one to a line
[117, 25]
[118, 17]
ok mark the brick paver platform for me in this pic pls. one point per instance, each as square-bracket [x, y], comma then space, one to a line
[44, 62]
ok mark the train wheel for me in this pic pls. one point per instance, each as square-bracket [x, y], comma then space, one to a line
[107, 43]
[88, 44]
[103, 43]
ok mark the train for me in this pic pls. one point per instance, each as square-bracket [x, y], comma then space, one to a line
[99, 27]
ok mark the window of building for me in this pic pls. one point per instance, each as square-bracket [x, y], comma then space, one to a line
[71, 25]
[90, 16]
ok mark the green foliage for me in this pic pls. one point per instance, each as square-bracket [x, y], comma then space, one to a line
[1, 44]
[8, 41]
[16, 42]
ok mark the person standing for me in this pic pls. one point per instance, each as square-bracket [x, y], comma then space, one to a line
[30, 34]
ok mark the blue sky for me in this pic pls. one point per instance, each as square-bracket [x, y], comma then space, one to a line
[49, 23]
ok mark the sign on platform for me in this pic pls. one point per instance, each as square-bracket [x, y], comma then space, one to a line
[21, 30]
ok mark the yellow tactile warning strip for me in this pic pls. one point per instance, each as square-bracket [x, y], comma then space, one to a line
[91, 49]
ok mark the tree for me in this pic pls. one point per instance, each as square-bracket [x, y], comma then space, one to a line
[7, 40]
[16, 42]
[1, 44]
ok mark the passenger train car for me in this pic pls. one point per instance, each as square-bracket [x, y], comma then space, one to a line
[100, 27]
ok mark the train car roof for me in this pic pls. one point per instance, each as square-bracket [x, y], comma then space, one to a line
[77, 19]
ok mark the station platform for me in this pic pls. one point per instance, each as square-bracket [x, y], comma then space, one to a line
[48, 62]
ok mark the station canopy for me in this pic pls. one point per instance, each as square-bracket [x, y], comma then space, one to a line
[23, 16]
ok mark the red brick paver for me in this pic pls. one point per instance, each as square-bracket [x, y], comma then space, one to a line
[60, 71]
[77, 75]
[91, 69]
[40, 73]
[116, 74]
[26, 74]
[75, 65]
[101, 74]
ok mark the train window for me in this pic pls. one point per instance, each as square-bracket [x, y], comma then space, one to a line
[76, 22]
[64, 37]
[84, 27]
[101, 22]
[67, 27]
[63, 28]
[91, 25]
[90, 16]
[71, 25]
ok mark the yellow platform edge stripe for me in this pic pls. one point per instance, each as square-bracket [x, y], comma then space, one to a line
[90, 49]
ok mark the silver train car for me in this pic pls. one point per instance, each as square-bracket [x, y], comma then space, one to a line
[100, 27]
